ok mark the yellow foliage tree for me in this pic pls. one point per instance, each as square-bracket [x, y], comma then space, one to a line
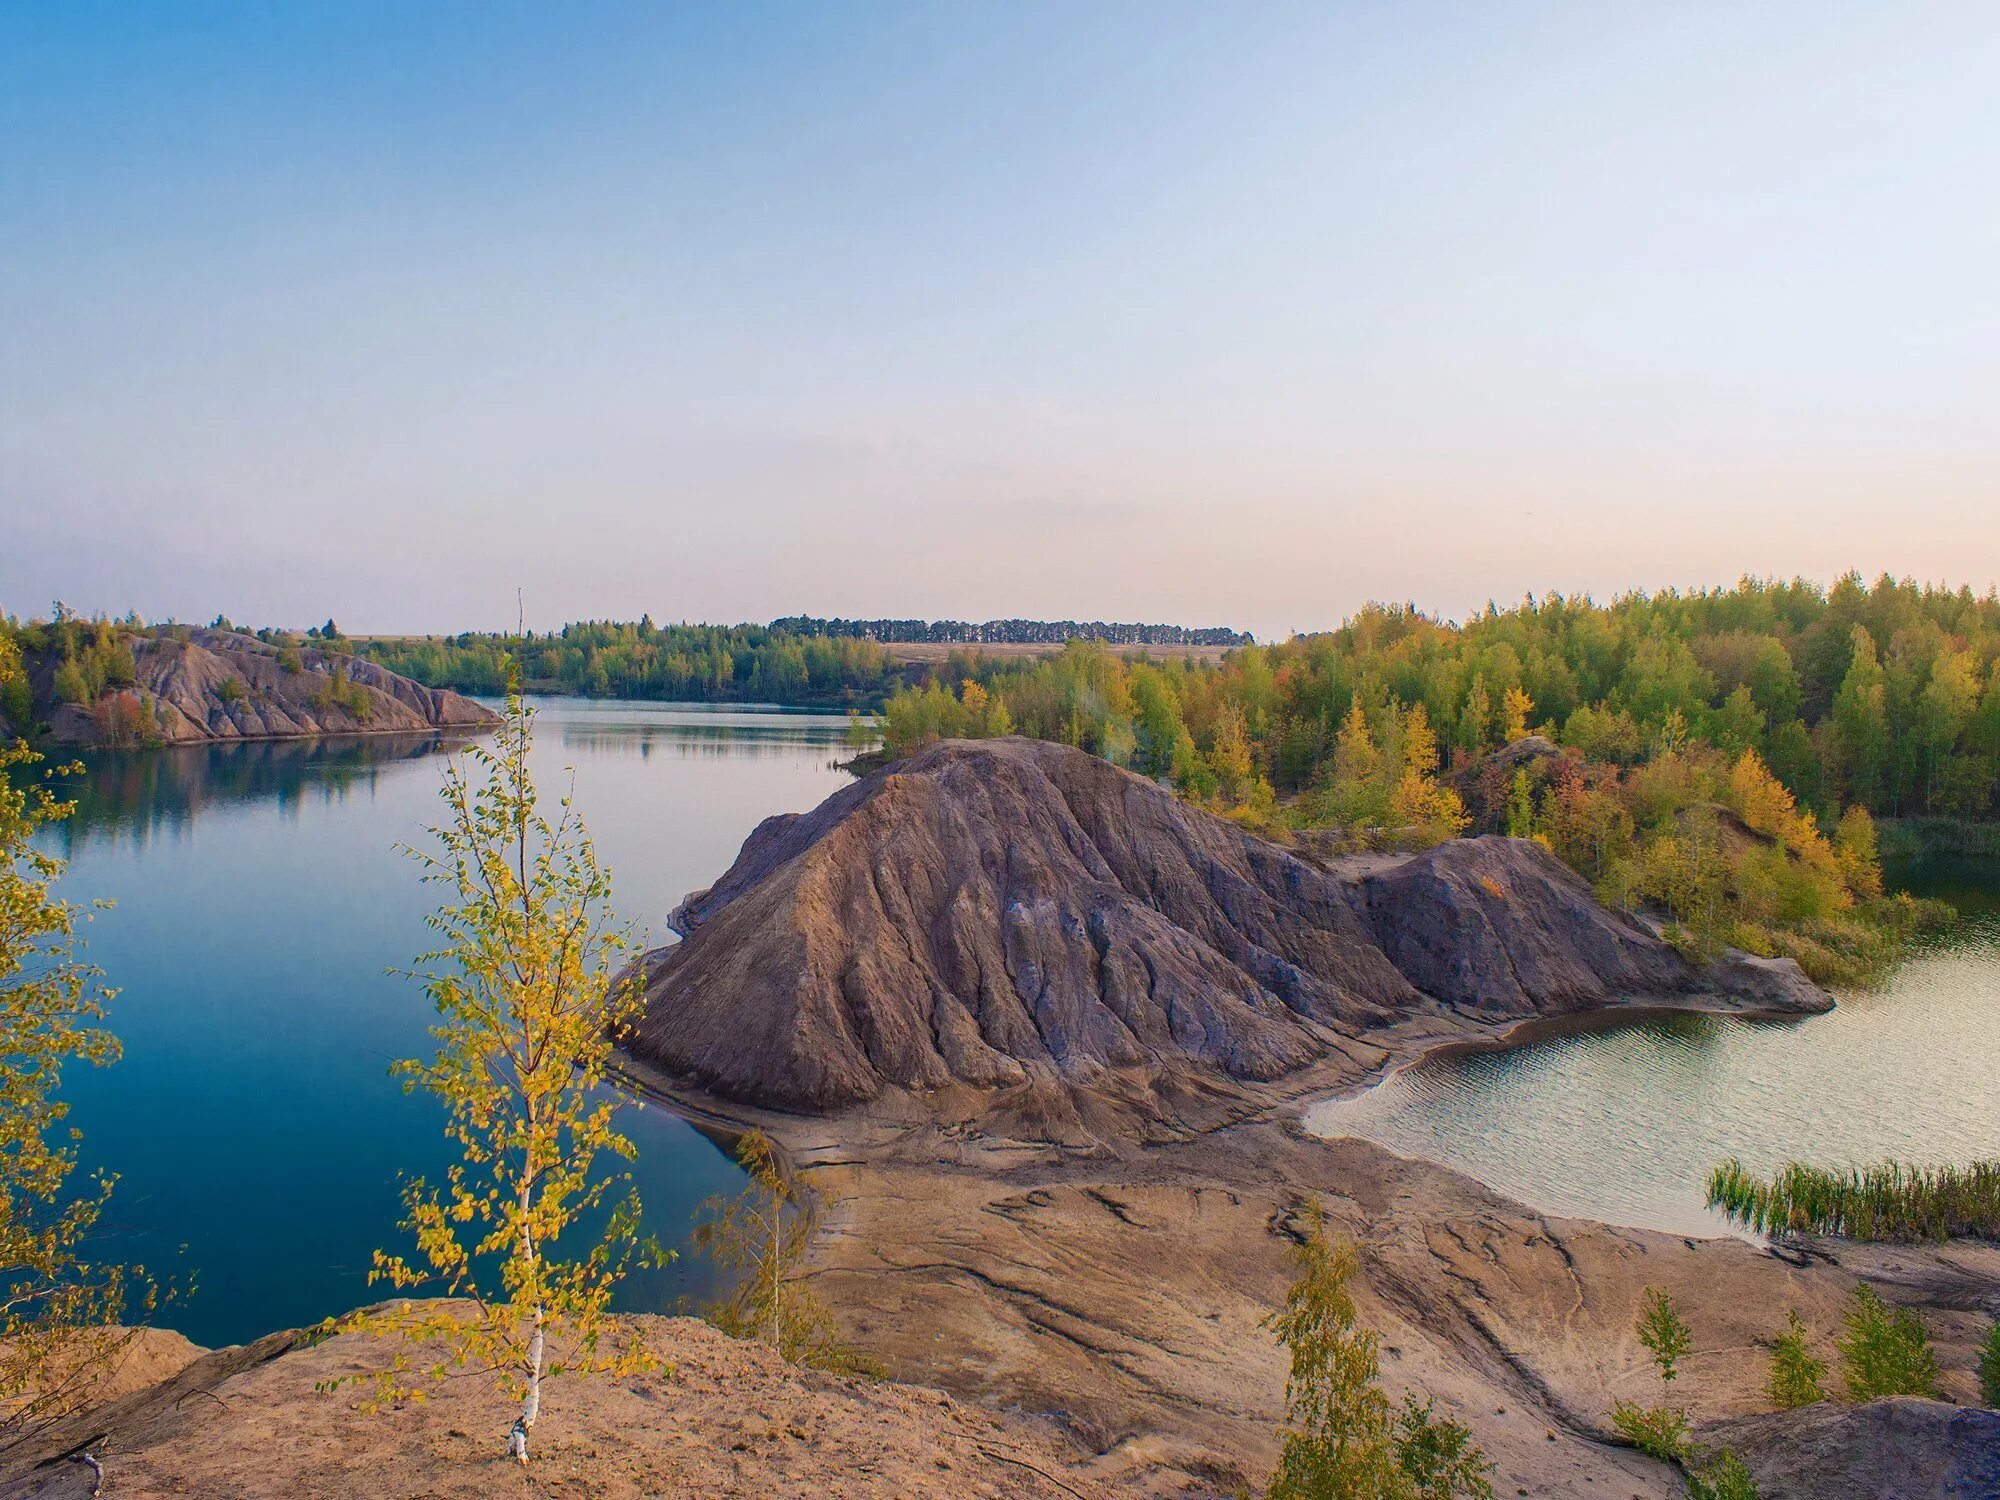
[529, 1004]
[58, 1304]
[1515, 706]
[1418, 802]
[1230, 756]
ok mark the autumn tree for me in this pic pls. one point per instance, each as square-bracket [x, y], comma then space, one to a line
[530, 1000]
[1515, 706]
[1352, 789]
[1343, 1440]
[58, 1301]
[761, 1235]
[1432, 811]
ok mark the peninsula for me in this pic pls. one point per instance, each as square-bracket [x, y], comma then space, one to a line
[119, 685]
[1042, 1034]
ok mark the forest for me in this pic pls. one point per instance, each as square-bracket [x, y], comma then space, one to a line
[689, 663]
[1724, 753]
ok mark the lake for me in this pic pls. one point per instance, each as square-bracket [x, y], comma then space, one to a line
[260, 901]
[1623, 1124]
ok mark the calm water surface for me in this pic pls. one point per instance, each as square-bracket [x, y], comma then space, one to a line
[260, 900]
[1623, 1125]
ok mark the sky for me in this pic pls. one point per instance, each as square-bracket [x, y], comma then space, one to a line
[1211, 314]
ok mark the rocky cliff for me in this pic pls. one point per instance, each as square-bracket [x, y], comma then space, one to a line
[225, 685]
[1007, 913]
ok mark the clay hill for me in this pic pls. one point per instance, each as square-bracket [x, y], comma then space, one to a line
[1042, 1037]
[225, 685]
[1019, 917]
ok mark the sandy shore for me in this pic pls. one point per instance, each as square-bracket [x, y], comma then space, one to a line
[1120, 1291]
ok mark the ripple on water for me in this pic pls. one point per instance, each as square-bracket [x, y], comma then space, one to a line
[1623, 1125]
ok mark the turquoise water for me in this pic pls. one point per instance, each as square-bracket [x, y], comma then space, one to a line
[1623, 1124]
[260, 900]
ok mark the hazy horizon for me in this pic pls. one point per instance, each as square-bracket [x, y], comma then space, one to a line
[1163, 313]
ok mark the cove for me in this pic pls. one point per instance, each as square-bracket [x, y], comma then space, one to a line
[261, 902]
[1623, 1123]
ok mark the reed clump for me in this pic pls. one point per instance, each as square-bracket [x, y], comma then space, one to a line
[1890, 1201]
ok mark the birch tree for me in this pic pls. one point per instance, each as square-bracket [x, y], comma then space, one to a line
[525, 983]
[58, 1301]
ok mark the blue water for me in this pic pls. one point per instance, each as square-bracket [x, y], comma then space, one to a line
[1623, 1123]
[260, 901]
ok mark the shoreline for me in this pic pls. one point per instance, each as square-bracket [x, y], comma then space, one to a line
[1120, 1292]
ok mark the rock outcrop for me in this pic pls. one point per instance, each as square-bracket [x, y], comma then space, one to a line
[1008, 914]
[225, 685]
[1898, 1447]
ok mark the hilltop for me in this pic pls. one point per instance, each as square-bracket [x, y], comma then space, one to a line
[118, 685]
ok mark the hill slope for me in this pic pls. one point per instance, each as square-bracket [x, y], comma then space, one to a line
[1003, 914]
[225, 685]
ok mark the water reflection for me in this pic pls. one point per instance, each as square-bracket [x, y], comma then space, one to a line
[134, 796]
[1622, 1124]
[260, 905]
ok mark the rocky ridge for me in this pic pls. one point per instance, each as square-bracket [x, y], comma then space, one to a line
[1020, 918]
[226, 685]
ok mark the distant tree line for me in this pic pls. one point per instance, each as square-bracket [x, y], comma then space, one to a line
[1717, 757]
[1884, 696]
[1013, 632]
[614, 659]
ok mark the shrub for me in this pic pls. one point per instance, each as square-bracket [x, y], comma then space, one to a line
[1658, 1431]
[1664, 1332]
[1437, 1455]
[1722, 1477]
[1797, 1379]
[1340, 1438]
[1886, 1351]
[1989, 1368]
[71, 686]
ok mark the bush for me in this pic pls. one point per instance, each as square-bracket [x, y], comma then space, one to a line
[1340, 1437]
[71, 686]
[1989, 1368]
[1797, 1379]
[1664, 1333]
[1723, 1477]
[1657, 1431]
[1886, 1351]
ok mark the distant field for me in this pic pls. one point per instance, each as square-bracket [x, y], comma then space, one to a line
[935, 651]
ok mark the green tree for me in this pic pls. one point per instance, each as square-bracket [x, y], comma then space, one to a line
[530, 1000]
[1660, 1431]
[1886, 1351]
[1861, 722]
[1796, 1379]
[1989, 1368]
[1665, 1333]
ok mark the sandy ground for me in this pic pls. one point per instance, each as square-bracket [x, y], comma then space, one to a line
[1125, 1292]
[731, 1420]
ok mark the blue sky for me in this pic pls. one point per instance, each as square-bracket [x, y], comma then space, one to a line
[1217, 314]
